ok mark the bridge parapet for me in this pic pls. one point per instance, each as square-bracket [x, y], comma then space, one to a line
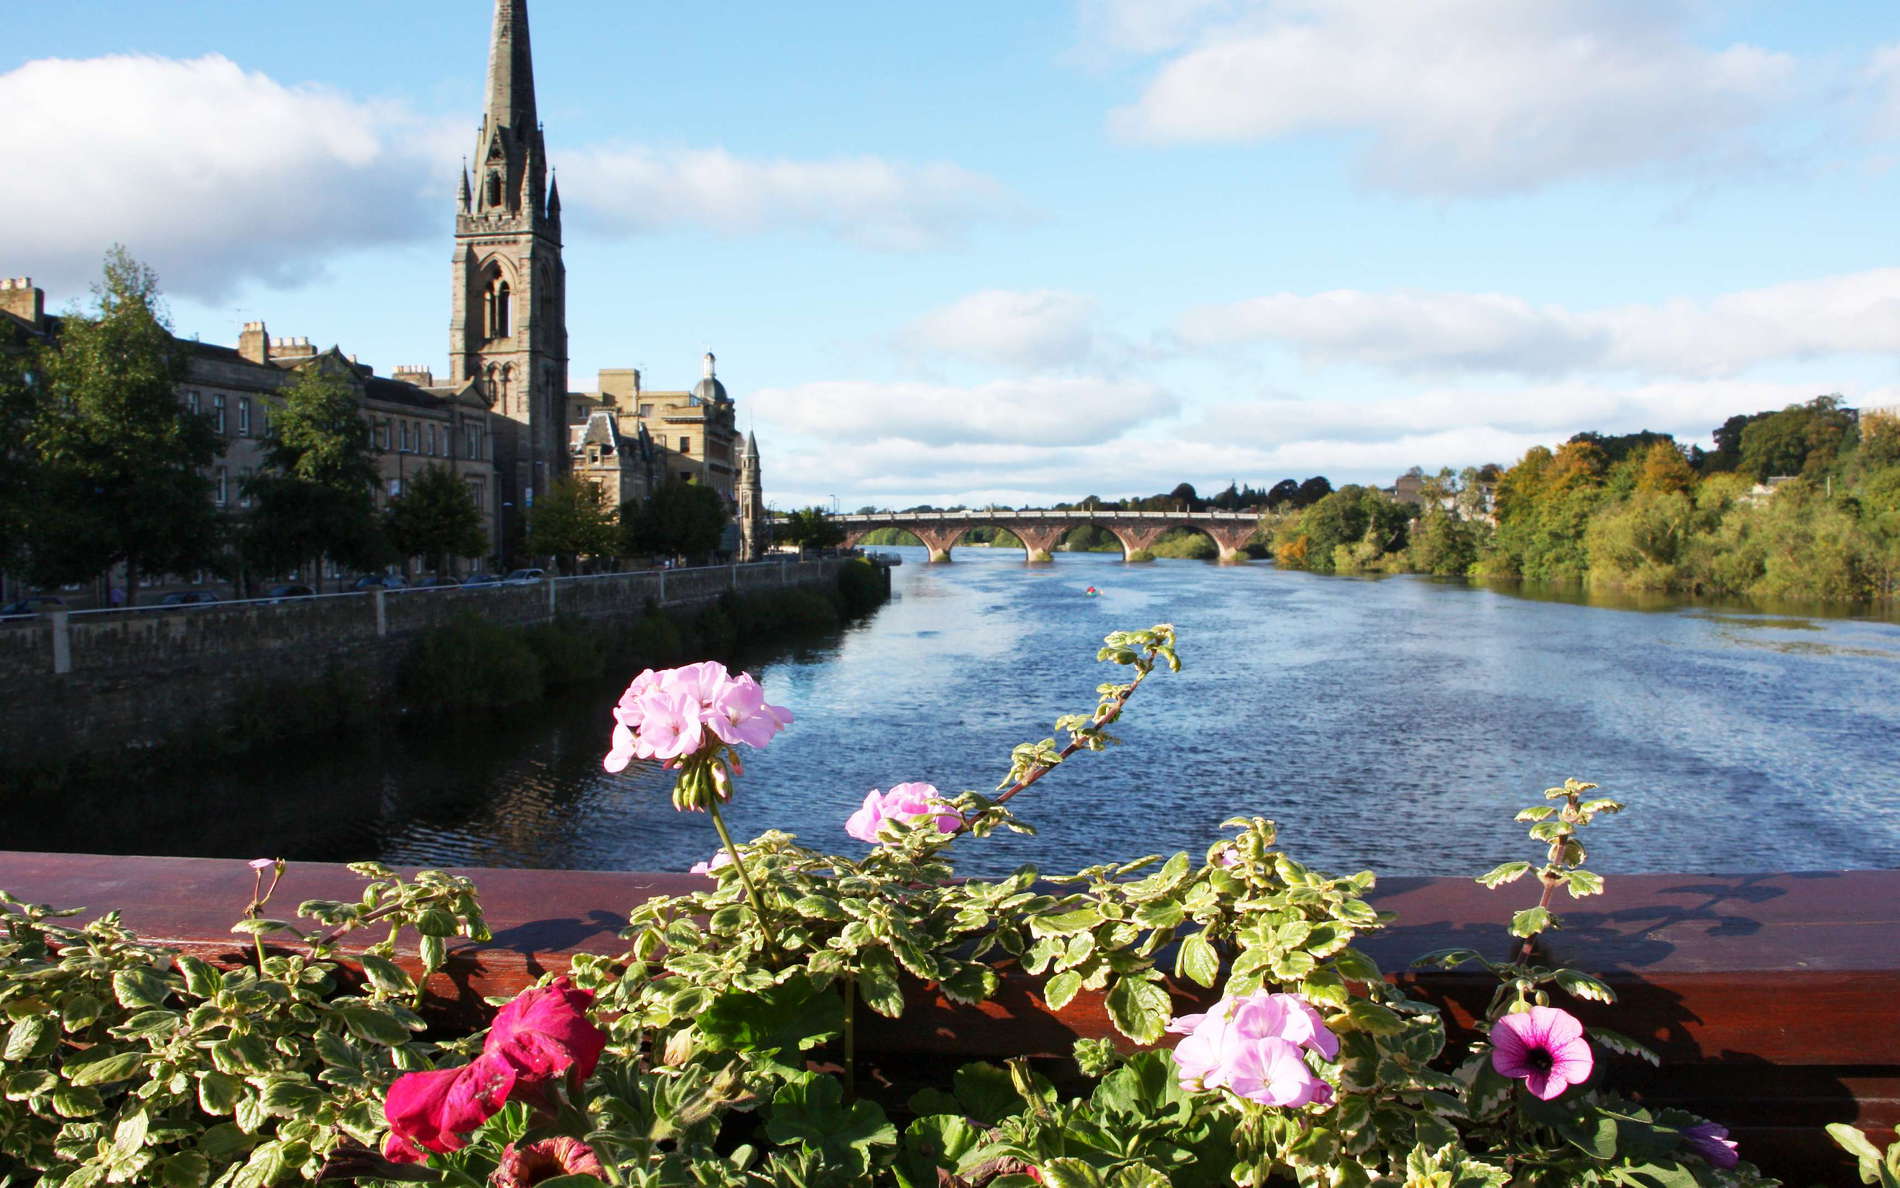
[1041, 530]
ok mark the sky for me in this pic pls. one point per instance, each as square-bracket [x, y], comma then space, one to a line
[1021, 252]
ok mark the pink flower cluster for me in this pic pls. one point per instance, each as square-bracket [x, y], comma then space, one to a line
[911, 804]
[1544, 1047]
[543, 1034]
[722, 859]
[668, 715]
[1255, 1047]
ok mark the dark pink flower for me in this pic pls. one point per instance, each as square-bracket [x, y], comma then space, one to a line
[1544, 1047]
[1712, 1143]
[431, 1111]
[525, 1166]
[544, 1033]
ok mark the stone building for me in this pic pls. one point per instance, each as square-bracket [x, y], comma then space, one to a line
[503, 417]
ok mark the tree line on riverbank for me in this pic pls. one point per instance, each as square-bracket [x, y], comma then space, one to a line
[1801, 502]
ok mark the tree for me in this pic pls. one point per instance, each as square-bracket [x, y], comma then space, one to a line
[678, 520]
[1313, 490]
[19, 381]
[1800, 439]
[315, 496]
[436, 517]
[1664, 469]
[1286, 492]
[570, 520]
[121, 463]
[811, 528]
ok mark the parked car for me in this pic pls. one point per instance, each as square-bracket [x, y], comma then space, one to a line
[32, 605]
[481, 579]
[525, 575]
[433, 583]
[373, 580]
[283, 590]
[188, 598]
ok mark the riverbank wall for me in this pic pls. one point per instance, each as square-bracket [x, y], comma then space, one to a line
[1768, 997]
[75, 687]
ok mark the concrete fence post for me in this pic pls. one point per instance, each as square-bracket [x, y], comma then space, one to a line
[62, 642]
[663, 587]
[732, 575]
[382, 613]
[550, 581]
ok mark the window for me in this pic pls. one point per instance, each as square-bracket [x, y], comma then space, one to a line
[497, 307]
[395, 487]
[263, 417]
[646, 410]
[382, 435]
[191, 402]
[686, 445]
[244, 498]
[244, 416]
[432, 441]
[472, 441]
[224, 480]
[217, 416]
[479, 490]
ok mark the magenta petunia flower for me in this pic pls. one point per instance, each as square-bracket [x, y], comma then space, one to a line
[545, 1032]
[1712, 1143]
[1544, 1047]
[1252, 1046]
[913, 804]
[431, 1111]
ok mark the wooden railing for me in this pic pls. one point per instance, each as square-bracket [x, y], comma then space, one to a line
[1774, 1000]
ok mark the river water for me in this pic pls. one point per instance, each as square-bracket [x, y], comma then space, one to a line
[1393, 723]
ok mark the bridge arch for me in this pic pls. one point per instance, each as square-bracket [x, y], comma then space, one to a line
[1041, 531]
[1138, 536]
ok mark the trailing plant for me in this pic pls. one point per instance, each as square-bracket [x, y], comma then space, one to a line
[721, 1047]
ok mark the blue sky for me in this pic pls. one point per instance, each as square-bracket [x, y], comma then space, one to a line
[1022, 252]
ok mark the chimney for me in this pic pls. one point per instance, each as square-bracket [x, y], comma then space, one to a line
[19, 298]
[410, 373]
[254, 343]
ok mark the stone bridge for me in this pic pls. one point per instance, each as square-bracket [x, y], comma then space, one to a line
[1041, 531]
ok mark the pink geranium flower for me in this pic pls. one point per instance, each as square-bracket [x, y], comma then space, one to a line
[668, 715]
[1544, 1047]
[721, 859]
[431, 1111]
[525, 1165]
[912, 804]
[1712, 1143]
[1252, 1046]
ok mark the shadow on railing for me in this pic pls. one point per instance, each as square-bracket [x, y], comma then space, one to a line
[1771, 998]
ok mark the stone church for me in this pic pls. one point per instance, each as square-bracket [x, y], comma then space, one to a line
[503, 418]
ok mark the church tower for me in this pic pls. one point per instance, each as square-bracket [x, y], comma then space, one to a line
[753, 529]
[508, 320]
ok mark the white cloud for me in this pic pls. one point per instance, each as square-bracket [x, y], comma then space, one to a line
[867, 200]
[1463, 96]
[1480, 332]
[1040, 329]
[212, 174]
[1032, 413]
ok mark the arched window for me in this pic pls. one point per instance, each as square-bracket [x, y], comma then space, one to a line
[507, 382]
[494, 187]
[496, 307]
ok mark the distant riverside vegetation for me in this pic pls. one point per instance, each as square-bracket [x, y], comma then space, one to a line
[1799, 503]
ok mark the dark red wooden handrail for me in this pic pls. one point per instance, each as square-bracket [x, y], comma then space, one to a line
[1773, 999]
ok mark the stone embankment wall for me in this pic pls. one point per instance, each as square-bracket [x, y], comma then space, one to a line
[137, 677]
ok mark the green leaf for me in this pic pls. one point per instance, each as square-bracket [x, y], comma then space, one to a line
[1509, 872]
[103, 1066]
[218, 1092]
[1449, 958]
[1530, 921]
[1623, 1045]
[1197, 960]
[30, 1038]
[79, 1011]
[386, 976]
[791, 1016]
[1070, 1173]
[1578, 984]
[148, 1023]
[1581, 883]
[129, 1135]
[290, 1099]
[433, 951]
[1139, 1008]
[810, 1109]
[368, 1023]
[1057, 991]
[878, 985]
[1367, 1015]
[138, 988]
[972, 983]
[1063, 923]
[1536, 812]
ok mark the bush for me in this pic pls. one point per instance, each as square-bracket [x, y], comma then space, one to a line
[470, 664]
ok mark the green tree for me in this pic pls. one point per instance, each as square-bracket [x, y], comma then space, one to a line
[1801, 439]
[570, 520]
[436, 517]
[315, 496]
[121, 464]
[678, 520]
[19, 383]
[811, 528]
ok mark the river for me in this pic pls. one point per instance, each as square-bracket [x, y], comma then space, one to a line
[1393, 723]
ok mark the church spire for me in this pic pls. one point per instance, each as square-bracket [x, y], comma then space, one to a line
[511, 69]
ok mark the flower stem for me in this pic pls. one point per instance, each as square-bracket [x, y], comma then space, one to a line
[745, 879]
[850, 1037]
[1075, 744]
